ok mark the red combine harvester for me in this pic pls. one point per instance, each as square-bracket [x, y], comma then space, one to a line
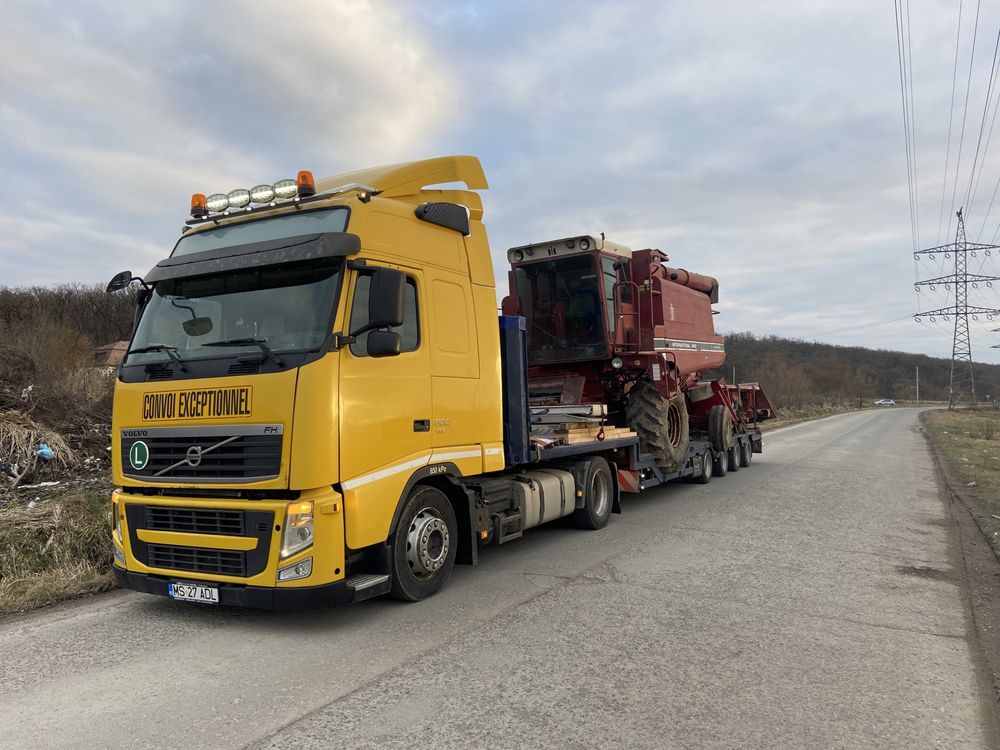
[611, 327]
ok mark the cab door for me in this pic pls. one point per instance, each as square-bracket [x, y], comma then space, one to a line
[385, 402]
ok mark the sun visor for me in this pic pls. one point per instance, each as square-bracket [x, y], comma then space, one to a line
[257, 255]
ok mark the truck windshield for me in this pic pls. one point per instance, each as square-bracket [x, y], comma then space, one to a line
[286, 307]
[562, 302]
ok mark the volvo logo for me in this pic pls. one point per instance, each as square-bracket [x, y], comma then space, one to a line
[193, 456]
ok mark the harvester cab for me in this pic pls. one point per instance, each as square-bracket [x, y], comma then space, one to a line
[606, 325]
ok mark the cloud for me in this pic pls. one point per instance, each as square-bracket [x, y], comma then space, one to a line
[759, 143]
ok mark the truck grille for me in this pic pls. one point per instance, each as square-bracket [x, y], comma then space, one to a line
[194, 520]
[253, 524]
[231, 454]
[197, 560]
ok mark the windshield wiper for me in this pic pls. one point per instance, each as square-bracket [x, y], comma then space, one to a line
[170, 351]
[262, 343]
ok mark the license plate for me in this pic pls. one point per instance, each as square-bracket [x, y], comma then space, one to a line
[193, 592]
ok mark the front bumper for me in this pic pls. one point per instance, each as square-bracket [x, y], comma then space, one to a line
[260, 597]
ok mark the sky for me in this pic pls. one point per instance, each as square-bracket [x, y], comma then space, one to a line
[761, 143]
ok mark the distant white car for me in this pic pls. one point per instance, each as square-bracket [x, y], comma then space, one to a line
[885, 402]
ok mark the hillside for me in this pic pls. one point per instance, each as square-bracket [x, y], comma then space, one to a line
[801, 373]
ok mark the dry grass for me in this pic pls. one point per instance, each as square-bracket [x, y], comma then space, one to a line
[55, 549]
[20, 436]
[969, 442]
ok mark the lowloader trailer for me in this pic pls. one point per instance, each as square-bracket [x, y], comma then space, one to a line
[320, 405]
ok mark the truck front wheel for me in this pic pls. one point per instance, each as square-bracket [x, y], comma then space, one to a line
[424, 545]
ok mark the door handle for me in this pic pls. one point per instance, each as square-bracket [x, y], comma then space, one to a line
[421, 425]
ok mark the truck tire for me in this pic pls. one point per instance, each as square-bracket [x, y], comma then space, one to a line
[598, 495]
[705, 475]
[746, 451]
[662, 425]
[720, 464]
[720, 428]
[733, 456]
[424, 545]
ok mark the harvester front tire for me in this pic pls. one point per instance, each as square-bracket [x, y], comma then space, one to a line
[662, 425]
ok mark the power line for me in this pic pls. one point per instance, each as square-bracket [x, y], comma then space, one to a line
[965, 112]
[951, 114]
[910, 177]
[913, 126]
[982, 125]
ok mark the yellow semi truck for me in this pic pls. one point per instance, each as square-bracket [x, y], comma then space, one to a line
[318, 404]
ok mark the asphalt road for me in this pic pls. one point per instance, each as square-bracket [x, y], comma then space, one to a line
[814, 599]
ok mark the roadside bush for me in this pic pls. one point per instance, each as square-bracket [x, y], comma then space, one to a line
[55, 549]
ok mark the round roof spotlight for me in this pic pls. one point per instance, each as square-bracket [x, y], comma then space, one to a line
[617, 363]
[517, 256]
[285, 189]
[262, 194]
[217, 202]
[529, 251]
[570, 244]
[238, 198]
[585, 244]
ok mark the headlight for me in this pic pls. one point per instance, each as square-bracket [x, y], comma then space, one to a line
[116, 522]
[517, 256]
[298, 532]
[617, 363]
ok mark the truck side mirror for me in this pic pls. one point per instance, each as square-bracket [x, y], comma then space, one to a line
[120, 281]
[383, 344]
[385, 298]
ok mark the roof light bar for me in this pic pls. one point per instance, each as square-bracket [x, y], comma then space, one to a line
[302, 188]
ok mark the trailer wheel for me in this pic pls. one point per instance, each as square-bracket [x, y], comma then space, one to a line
[424, 545]
[720, 464]
[662, 425]
[746, 451]
[705, 475]
[720, 428]
[597, 497]
[733, 457]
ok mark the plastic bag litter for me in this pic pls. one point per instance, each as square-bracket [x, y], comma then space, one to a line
[44, 452]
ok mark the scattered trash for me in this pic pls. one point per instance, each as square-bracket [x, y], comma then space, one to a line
[8, 470]
[965, 459]
[26, 392]
[995, 516]
[971, 484]
[40, 484]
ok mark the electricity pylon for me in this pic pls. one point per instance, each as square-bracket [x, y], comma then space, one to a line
[962, 387]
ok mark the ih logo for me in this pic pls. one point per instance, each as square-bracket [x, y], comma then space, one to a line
[138, 455]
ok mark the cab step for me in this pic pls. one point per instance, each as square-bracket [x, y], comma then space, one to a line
[368, 585]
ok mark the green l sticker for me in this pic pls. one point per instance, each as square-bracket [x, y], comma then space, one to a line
[138, 455]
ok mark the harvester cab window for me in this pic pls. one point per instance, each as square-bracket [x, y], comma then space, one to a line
[563, 304]
[409, 332]
[610, 279]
